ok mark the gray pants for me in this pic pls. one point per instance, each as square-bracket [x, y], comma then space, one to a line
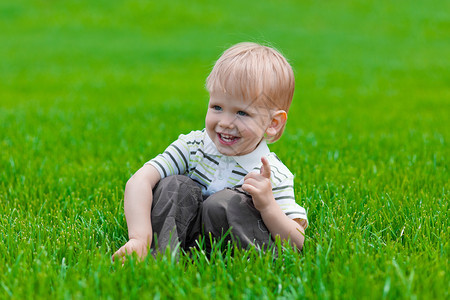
[180, 215]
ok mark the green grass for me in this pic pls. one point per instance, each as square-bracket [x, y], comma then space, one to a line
[90, 90]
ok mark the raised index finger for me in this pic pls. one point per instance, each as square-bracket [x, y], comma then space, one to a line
[265, 168]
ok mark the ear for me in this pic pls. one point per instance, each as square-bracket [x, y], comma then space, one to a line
[279, 119]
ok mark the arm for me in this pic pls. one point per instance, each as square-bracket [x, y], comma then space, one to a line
[259, 186]
[137, 204]
[139, 194]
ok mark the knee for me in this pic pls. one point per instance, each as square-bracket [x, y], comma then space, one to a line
[178, 190]
[218, 203]
[221, 206]
[227, 200]
[214, 207]
[174, 181]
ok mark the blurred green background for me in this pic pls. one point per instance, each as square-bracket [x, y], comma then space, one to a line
[90, 90]
[360, 65]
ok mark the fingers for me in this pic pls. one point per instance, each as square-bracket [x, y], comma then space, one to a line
[132, 246]
[254, 183]
[264, 171]
[265, 168]
[249, 188]
[123, 252]
[119, 254]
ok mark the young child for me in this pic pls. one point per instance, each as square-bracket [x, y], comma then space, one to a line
[223, 178]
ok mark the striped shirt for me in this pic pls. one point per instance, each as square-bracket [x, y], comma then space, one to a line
[196, 156]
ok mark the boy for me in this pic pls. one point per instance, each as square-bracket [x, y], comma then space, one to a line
[223, 178]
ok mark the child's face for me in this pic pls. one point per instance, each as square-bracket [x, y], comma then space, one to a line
[235, 126]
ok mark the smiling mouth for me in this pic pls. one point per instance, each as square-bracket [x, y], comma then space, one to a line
[227, 139]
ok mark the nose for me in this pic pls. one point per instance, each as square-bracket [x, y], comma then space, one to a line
[227, 121]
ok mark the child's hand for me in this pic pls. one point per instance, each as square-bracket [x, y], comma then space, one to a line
[260, 187]
[133, 245]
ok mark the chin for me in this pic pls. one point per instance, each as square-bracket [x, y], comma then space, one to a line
[227, 152]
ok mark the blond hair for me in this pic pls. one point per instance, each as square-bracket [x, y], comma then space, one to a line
[254, 72]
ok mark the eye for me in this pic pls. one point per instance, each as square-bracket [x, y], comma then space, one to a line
[216, 107]
[242, 113]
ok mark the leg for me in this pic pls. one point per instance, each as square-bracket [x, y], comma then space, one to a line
[231, 209]
[175, 213]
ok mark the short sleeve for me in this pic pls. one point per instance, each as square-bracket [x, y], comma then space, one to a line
[174, 160]
[285, 197]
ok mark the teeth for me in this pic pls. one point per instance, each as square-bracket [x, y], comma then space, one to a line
[227, 137]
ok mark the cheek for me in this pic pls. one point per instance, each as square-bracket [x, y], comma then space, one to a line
[252, 126]
[208, 117]
[209, 120]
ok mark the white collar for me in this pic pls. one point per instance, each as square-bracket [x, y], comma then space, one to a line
[248, 161]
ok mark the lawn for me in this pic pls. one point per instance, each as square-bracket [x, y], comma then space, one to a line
[91, 90]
